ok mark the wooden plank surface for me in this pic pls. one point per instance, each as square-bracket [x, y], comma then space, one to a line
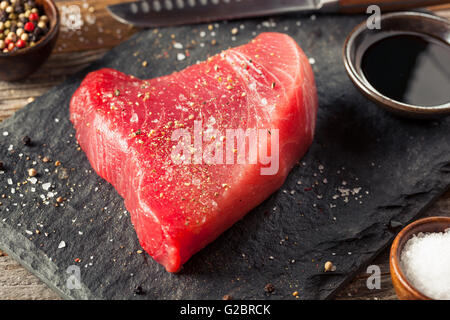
[75, 50]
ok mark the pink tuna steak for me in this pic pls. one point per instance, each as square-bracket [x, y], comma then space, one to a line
[151, 139]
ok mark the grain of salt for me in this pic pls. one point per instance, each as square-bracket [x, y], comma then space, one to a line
[425, 260]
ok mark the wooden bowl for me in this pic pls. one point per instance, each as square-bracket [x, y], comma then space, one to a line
[404, 289]
[23, 62]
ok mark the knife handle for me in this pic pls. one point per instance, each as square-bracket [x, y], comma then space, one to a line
[357, 6]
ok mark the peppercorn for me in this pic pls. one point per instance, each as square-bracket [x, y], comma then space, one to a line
[32, 172]
[38, 31]
[269, 288]
[21, 44]
[138, 290]
[328, 266]
[33, 17]
[29, 26]
[11, 46]
[26, 140]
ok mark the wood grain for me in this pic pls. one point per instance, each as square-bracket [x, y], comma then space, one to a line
[75, 50]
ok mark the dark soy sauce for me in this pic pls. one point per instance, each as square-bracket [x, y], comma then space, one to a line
[410, 68]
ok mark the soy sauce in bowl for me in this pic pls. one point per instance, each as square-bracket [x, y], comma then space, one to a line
[410, 68]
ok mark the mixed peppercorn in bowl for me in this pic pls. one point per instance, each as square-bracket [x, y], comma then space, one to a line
[28, 33]
[22, 24]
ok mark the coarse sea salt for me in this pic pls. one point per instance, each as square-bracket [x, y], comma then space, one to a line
[425, 260]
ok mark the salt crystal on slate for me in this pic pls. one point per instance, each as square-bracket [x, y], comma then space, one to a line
[46, 186]
[178, 45]
[61, 245]
[425, 260]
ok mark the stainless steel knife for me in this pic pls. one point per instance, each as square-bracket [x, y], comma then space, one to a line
[159, 13]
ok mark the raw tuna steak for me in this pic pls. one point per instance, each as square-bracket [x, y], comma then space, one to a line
[164, 143]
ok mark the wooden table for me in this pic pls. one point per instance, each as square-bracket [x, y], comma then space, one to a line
[74, 51]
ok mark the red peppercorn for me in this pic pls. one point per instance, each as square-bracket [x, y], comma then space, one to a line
[20, 44]
[33, 17]
[29, 26]
[7, 41]
[11, 46]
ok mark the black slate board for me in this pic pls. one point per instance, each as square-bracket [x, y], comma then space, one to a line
[394, 166]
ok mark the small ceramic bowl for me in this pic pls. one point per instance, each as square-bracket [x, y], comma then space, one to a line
[361, 38]
[404, 289]
[20, 64]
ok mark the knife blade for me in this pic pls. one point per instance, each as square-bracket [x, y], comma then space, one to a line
[161, 13]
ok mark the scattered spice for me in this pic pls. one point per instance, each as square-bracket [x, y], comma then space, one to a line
[45, 159]
[227, 297]
[144, 63]
[59, 199]
[26, 140]
[295, 294]
[269, 288]
[32, 172]
[329, 266]
[57, 163]
[139, 291]
[63, 173]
